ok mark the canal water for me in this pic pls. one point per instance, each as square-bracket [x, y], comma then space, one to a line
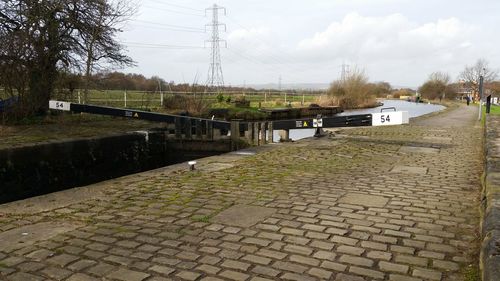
[414, 110]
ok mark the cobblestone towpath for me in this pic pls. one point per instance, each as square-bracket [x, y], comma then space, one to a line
[393, 203]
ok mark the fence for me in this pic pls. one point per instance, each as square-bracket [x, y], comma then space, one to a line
[147, 100]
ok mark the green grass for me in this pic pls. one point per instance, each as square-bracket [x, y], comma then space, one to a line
[471, 273]
[494, 110]
[142, 100]
[205, 219]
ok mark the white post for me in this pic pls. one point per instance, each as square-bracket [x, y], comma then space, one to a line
[161, 93]
[303, 99]
[481, 83]
[125, 98]
[79, 100]
[265, 97]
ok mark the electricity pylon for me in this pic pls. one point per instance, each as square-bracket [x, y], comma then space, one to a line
[215, 77]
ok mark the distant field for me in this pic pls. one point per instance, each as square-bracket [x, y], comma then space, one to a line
[149, 100]
[152, 100]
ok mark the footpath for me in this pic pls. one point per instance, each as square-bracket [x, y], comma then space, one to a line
[391, 203]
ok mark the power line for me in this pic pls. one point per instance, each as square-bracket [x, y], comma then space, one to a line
[171, 25]
[215, 77]
[175, 5]
[169, 29]
[159, 46]
[173, 11]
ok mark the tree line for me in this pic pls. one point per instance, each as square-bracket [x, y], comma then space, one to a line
[355, 90]
[132, 82]
[440, 86]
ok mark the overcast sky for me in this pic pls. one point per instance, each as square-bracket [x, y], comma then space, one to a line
[398, 41]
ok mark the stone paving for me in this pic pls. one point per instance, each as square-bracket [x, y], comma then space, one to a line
[392, 203]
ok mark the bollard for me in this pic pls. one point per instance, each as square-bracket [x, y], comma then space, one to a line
[191, 165]
[319, 133]
[488, 104]
[284, 135]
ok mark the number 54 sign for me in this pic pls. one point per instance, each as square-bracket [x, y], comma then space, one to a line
[390, 118]
[60, 105]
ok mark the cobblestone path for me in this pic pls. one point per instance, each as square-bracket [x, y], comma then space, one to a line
[393, 203]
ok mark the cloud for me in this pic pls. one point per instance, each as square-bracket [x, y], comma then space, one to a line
[251, 34]
[253, 42]
[393, 37]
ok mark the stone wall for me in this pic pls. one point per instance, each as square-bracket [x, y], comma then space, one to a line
[39, 169]
[490, 227]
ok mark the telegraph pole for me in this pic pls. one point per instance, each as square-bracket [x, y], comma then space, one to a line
[215, 77]
[481, 85]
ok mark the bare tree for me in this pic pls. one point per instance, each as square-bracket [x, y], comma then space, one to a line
[436, 86]
[352, 92]
[98, 40]
[470, 75]
[494, 87]
[40, 37]
[440, 76]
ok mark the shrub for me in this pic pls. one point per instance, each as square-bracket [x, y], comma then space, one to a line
[193, 105]
[352, 92]
[240, 101]
[220, 97]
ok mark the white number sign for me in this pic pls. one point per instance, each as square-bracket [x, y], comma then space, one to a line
[390, 118]
[59, 105]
